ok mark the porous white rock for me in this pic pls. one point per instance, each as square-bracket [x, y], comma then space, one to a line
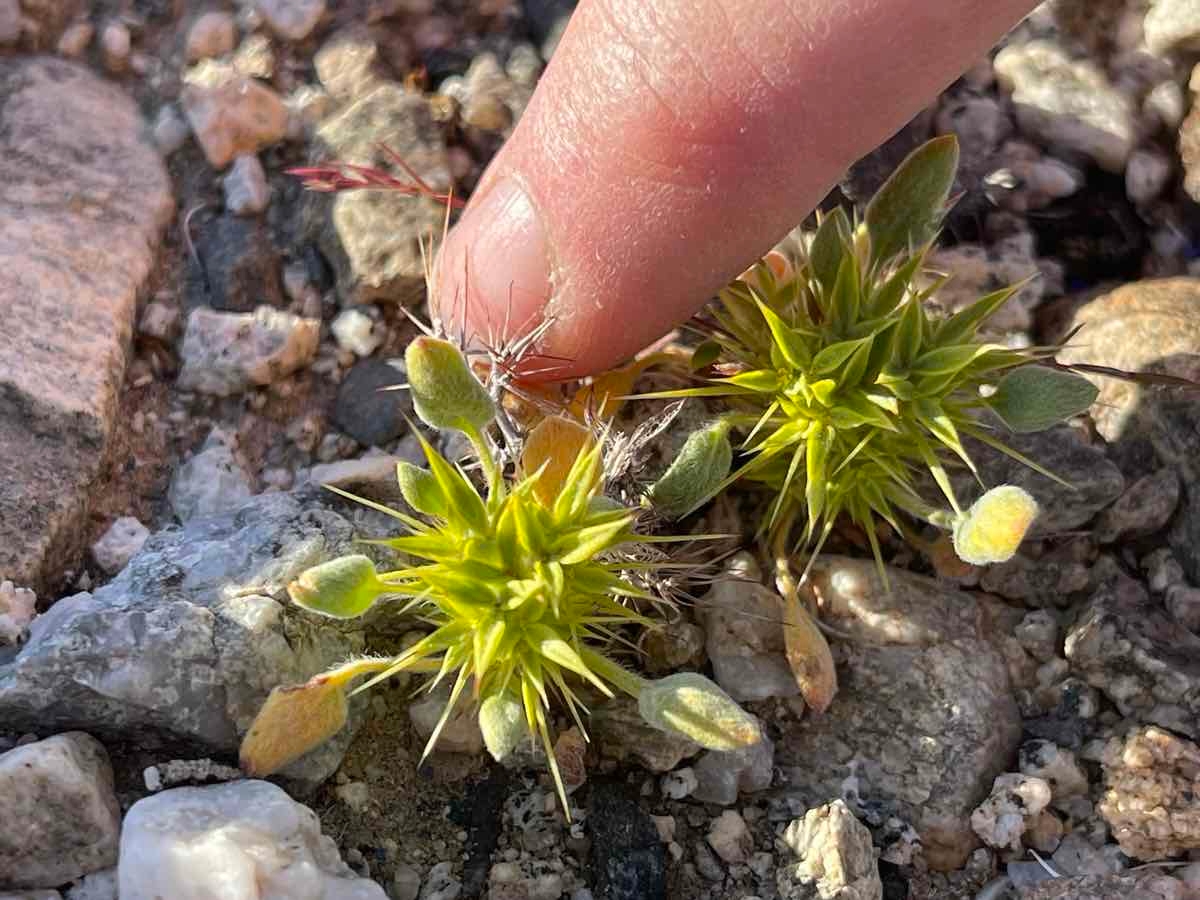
[117, 546]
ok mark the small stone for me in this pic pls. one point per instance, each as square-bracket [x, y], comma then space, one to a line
[115, 45]
[679, 784]
[212, 34]
[292, 20]
[17, 609]
[1146, 506]
[60, 792]
[355, 794]
[246, 190]
[10, 22]
[75, 39]
[355, 331]
[745, 640]
[441, 883]
[1172, 25]
[622, 734]
[706, 863]
[1044, 832]
[226, 353]
[406, 882]
[1037, 633]
[666, 828]
[97, 886]
[117, 546]
[461, 733]
[187, 771]
[722, 777]
[1165, 105]
[1128, 647]
[1001, 820]
[1068, 103]
[170, 131]
[247, 840]
[1183, 603]
[347, 64]
[837, 859]
[160, 321]
[232, 115]
[1146, 175]
[1150, 800]
[370, 475]
[1057, 767]
[673, 646]
[239, 267]
[366, 412]
[1077, 856]
[730, 837]
[209, 483]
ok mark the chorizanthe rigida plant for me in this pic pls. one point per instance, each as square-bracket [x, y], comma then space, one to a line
[522, 587]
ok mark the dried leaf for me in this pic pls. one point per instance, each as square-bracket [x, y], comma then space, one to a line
[293, 721]
[808, 654]
[553, 446]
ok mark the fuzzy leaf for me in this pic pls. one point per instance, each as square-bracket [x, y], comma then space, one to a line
[689, 704]
[994, 526]
[891, 293]
[907, 211]
[842, 305]
[420, 489]
[446, 394]
[828, 247]
[342, 588]
[1034, 398]
[786, 341]
[704, 355]
[502, 721]
[696, 473]
[293, 721]
[963, 324]
[835, 355]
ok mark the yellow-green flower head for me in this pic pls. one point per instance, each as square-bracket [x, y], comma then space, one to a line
[993, 528]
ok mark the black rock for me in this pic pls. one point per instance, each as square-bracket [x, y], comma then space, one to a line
[627, 859]
[239, 266]
[369, 415]
[479, 812]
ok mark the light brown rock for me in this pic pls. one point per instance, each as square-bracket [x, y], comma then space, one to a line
[1130, 328]
[1152, 794]
[231, 114]
[82, 202]
[837, 859]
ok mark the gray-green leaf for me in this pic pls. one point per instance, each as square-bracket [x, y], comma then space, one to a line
[1034, 398]
[697, 472]
[907, 211]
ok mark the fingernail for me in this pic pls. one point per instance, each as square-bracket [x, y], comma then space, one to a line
[495, 266]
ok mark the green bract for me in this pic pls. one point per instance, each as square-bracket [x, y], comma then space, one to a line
[843, 382]
[522, 588]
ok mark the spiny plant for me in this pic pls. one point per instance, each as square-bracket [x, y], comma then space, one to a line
[522, 586]
[844, 385]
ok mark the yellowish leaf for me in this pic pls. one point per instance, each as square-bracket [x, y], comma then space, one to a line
[553, 446]
[293, 721]
[602, 397]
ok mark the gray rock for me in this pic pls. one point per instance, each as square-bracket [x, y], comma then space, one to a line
[97, 886]
[246, 190]
[1172, 25]
[1037, 634]
[1147, 175]
[621, 733]
[1068, 103]
[730, 838]
[923, 720]
[1049, 579]
[976, 270]
[57, 799]
[1183, 603]
[1147, 663]
[1016, 800]
[31, 895]
[1150, 885]
[239, 266]
[209, 483]
[226, 353]
[80, 219]
[292, 20]
[119, 543]
[1092, 481]
[721, 777]
[10, 22]
[366, 412]
[837, 859]
[371, 237]
[348, 63]
[183, 646]
[247, 840]
[743, 623]
[1146, 506]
